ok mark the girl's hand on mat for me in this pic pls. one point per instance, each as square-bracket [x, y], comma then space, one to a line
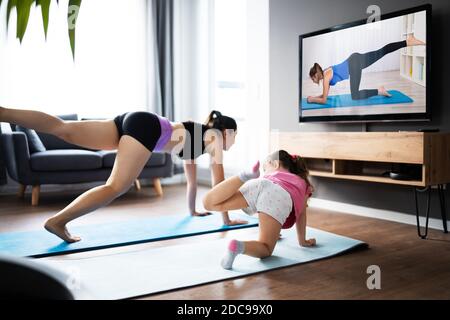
[308, 243]
[201, 214]
[235, 222]
[309, 99]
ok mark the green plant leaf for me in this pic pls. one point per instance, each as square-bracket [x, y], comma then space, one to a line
[11, 5]
[45, 9]
[72, 16]
[23, 13]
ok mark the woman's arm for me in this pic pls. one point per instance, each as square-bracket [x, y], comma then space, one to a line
[301, 230]
[322, 99]
[190, 170]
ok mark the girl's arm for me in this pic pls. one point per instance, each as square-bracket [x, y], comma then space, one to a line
[301, 230]
[190, 170]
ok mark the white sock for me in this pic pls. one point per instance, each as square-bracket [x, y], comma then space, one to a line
[234, 248]
[248, 175]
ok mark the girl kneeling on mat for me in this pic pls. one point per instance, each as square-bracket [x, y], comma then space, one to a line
[279, 198]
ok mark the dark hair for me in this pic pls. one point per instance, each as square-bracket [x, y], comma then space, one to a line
[316, 68]
[218, 121]
[293, 163]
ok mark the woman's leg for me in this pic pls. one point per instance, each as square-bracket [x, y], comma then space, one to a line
[355, 64]
[358, 62]
[369, 58]
[131, 159]
[269, 233]
[99, 135]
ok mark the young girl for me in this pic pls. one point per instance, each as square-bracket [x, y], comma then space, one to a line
[279, 198]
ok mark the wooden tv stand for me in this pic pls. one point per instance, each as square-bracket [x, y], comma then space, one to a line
[370, 156]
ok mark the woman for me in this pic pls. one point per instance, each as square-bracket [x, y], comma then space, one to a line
[135, 135]
[279, 198]
[352, 68]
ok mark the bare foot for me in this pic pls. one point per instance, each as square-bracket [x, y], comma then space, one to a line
[413, 41]
[60, 231]
[201, 214]
[383, 92]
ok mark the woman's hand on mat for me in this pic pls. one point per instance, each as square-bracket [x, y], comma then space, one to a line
[236, 222]
[200, 214]
[308, 243]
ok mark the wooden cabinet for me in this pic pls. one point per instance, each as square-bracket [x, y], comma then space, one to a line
[368, 156]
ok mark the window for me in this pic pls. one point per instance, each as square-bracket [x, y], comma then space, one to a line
[110, 73]
[239, 49]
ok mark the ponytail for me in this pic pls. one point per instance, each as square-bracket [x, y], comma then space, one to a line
[218, 121]
[293, 163]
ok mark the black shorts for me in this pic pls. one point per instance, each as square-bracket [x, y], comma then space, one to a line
[142, 126]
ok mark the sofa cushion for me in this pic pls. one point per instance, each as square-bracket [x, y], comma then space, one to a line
[65, 160]
[156, 160]
[34, 142]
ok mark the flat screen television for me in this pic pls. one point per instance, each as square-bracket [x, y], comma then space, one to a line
[365, 72]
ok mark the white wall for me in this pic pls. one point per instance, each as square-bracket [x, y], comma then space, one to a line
[108, 76]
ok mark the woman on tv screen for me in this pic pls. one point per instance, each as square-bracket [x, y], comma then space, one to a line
[352, 68]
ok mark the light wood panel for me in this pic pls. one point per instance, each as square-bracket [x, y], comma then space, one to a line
[396, 147]
[438, 158]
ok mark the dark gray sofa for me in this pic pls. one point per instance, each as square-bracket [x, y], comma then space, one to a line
[64, 163]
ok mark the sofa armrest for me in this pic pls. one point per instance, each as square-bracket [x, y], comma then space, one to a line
[17, 156]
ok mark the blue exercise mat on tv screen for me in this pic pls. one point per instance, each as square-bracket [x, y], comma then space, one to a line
[41, 243]
[345, 100]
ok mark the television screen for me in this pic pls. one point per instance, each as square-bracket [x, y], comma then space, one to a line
[378, 71]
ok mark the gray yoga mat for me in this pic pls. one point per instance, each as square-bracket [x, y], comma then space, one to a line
[154, 270]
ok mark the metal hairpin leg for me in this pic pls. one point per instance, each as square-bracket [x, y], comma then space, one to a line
[423, 236]
[443, 207]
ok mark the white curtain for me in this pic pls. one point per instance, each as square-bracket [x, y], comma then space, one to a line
[193, 58]
[221, 45]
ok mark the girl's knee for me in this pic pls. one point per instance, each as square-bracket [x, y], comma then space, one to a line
[269, 249]
[208, 202]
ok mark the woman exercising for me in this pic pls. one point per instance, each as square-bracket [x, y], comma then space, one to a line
[352, 68]
[279, 197]
[135, 135]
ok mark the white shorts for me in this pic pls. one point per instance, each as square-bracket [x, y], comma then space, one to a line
[263, 195]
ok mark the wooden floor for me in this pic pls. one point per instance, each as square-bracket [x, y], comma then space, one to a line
[410, 268]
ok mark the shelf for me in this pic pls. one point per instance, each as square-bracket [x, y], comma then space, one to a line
[367, 156]
[365, 171]
[377, 179]
[412, 59]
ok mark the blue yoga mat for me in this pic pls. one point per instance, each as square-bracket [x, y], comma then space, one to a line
[42, 243]
[345, 100]
[154, 270]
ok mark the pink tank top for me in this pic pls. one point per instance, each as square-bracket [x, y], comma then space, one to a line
[297, 188]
